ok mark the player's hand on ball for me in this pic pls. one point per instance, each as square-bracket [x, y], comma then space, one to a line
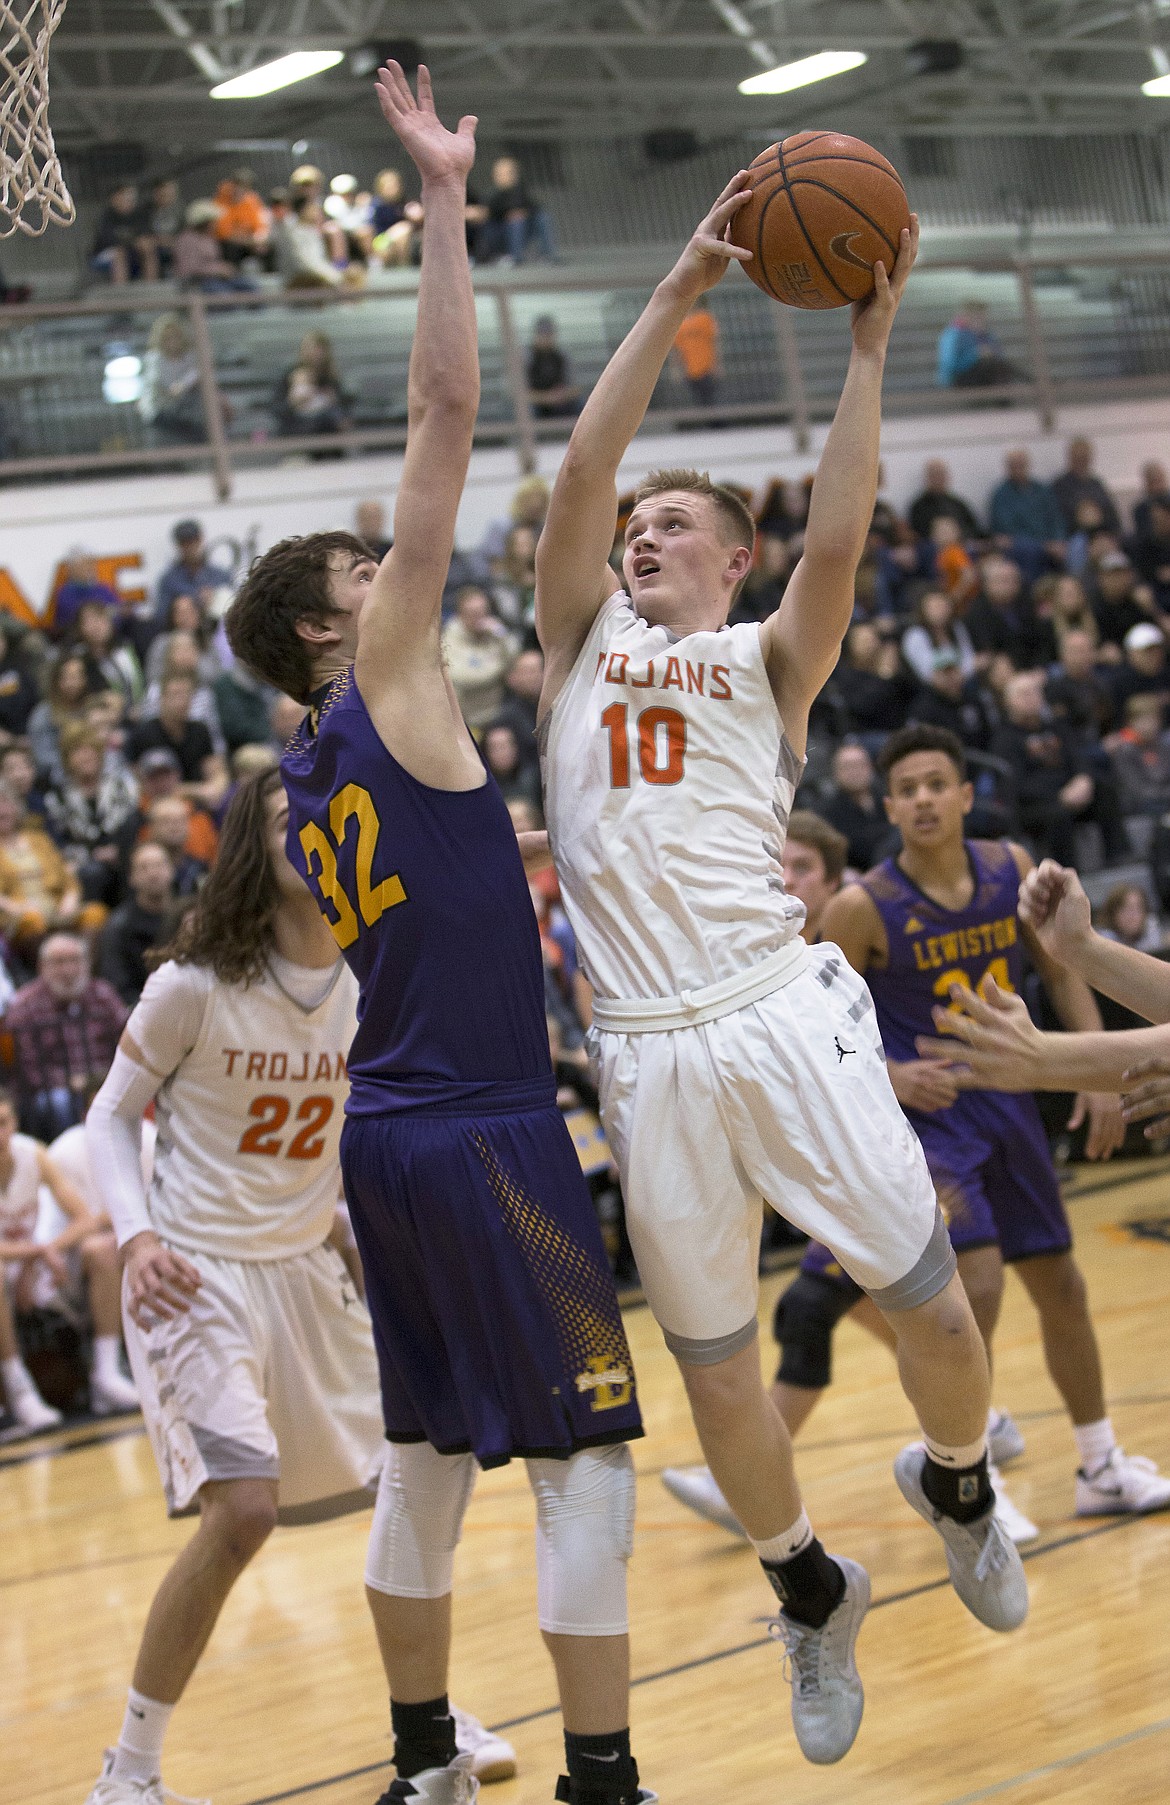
[705, 260]
[437, 154]
[1054, 905]
[1106, 1125]
[1145, 1096]
[159, 1282]
[1001, 1047]
[874, 317]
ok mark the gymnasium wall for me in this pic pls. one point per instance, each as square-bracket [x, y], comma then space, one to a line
[128, 521]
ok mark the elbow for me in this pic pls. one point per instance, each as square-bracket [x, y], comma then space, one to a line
[446, 401]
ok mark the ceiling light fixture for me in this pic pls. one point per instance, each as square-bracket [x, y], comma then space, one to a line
[800, 74]
[265, 79]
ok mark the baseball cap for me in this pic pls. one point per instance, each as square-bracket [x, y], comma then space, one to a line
[1143, 636]
[156, 761]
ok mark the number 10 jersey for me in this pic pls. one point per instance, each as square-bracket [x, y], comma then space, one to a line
[668, 782]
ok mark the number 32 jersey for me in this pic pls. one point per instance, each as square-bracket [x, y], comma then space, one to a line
[668, 781]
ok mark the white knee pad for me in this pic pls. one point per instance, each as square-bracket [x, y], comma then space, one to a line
[418, 1519]
[584, 1538]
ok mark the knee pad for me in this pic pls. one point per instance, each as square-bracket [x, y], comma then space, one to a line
[418, 1519]
[806, 1315]
[584, 1538]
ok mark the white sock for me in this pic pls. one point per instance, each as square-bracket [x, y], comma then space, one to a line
[1095, 1443]
[16, 1375]
[956, 1458]
[783, 1547]
[106, 1349]
[138, 1755]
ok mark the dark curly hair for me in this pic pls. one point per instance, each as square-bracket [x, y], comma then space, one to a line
[287, 584]
[230, 927]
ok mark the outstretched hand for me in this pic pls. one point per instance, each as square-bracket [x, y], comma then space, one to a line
[709, 251]
[1145, 1095]
[1001, 1045]
[436, 153]
[874, 317]
[1054, 905]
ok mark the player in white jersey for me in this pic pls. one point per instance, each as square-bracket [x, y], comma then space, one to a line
[735, 1061]
[251, 1347]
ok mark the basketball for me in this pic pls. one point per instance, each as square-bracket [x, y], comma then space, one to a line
[824, 209]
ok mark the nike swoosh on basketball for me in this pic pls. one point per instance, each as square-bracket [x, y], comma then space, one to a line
[840, 247]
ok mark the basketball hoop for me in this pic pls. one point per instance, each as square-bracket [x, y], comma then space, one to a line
[33, 194]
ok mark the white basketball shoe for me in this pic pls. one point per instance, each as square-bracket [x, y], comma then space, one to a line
[1005, 1439]
[985, 1567]
[453, 1785]
[110, 1791]
[1127, 1484]
[696, 1487]
[491, 1757]
[1010, 1517]
[827, 1695]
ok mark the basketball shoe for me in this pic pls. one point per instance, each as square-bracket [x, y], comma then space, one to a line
[696, 1487]
[827, 1696]
[111, 1394]
[1010, 1517]
[985, 1567]
[109, 1791]
[453, 1785]
[491, 1757]
[1005, 1438]
[1125, 1484]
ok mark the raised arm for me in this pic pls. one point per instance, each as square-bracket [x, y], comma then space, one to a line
[1055, 909]
[802, 640]
[400, 620]
[573, 578]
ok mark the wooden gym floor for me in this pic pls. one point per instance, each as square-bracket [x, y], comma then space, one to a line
[289, 1702]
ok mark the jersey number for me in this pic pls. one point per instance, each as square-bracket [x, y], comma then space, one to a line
[372, 899]
[998, 969]
[270, 1115]
[662, 744]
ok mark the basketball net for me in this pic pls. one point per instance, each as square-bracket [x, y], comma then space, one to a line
[32, 189]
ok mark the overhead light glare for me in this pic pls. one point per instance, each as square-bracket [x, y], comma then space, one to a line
[800, 74]
[297, 66]
[1158, 86]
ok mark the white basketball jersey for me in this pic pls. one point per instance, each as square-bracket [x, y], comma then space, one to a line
[249, 1121]
[18, 1198]
[668, 782]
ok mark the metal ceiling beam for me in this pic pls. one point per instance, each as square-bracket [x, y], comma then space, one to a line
[203, 57]
[572, 39]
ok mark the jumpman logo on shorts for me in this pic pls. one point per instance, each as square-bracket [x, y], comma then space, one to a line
[841, 1051]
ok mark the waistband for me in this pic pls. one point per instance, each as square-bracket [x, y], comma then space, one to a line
[370, 1099]
[658, 1015]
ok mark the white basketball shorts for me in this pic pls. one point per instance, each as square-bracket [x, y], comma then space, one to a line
[270, 1374]
[786, 1099]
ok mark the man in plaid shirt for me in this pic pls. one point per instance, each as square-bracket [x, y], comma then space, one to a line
[65, 1027]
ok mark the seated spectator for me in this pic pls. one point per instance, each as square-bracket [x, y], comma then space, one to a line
[82, 584]
[171, 400]
[190, 573]
[1061, 600]
[164, 216]
[159, 779]
[242, 224]
[1002, 620]
[394, 221]
[68, 687]
[1054, 789]
[169, 824]
[1076, 483]
[65, 1027]
[1141, 758]
[514, 591]
[1143, 671]
[38, 891]
[188, 646]
[19, 690]
[33, 1274]
[1155, 487]
[199, 262]
[938, 502]
[529, 507]
[696, 354]
[311, 398]
[1120, 602]
[522, 687]
[765, 583]
[553, 392]
[872, 682]
[855, 808]
[87, 809]
[301, 247]
[108, 665]
[783, 511]
[347, 208]
[184, 659]
[477, 651]
[502, 755]
[935, 629]
[1090, 538]
[954, 568]
[139, 924]
[948, 699]
[1126, 916]
[241, 703]
[18, 773]
[515, 222]
[123, 249]
[369, 523]
[1023, 508]
[1077, 690]
[970, 356]
[1150, 551]
[173, 730]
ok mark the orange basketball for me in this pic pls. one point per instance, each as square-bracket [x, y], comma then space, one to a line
[824, 209]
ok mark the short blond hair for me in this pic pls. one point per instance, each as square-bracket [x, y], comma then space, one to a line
[734, 514]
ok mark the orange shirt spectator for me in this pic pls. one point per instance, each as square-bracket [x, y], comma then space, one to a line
[697, 344]
[243, 217]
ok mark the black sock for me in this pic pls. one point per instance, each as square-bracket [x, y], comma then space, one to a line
[602, 1770]
[809, 1586]
[424, 1736]
[961, 1493]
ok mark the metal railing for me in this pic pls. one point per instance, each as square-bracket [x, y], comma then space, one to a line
[71, 374]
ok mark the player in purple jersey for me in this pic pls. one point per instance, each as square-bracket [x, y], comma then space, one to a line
[943, 914]
[495, 1319]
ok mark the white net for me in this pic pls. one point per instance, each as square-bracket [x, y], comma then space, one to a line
[33, 194]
